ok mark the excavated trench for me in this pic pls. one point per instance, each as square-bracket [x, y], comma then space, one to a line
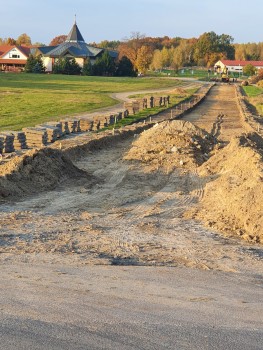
[112, 208]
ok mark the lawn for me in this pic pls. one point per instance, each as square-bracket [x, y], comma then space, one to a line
[252, 91]
[30, 99]
[255, 96]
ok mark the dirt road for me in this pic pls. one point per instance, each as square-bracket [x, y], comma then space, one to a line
[124, 215]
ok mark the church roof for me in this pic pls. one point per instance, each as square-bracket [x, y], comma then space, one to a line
[76, 49]
[74, 35]
[74, 46]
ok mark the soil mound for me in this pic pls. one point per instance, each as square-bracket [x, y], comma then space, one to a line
[233, 198]
[170, 145]
[179, 91]
[35, 171]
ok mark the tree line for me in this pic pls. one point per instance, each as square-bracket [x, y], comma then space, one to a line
[155, 53]
[104, 65]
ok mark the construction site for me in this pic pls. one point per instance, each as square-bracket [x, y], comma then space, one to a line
[179, 190]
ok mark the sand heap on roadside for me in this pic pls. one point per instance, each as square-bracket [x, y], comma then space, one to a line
[35, 171]
[170, 145]
[233, 199]
[179, 91]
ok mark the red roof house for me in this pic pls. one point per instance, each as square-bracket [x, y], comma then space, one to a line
[13, 57]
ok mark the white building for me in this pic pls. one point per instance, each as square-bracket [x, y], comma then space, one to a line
[13, 57]
[235, 65]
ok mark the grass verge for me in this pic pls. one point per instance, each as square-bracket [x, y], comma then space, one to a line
[31, 99]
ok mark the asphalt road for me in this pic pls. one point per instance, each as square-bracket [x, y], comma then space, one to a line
[47, 306]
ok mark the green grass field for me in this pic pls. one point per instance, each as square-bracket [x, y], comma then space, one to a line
[31, 99]
[252, 91]
[255, 96]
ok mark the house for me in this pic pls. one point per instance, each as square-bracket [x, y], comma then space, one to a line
[235, 65]
[13, 57]
[73, 47]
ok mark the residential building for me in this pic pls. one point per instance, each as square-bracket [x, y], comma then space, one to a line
[13, 57]
[235, 66]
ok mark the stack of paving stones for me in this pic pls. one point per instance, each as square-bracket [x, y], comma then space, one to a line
[110, 119]
[57, 125]
[19, 140]
[136, 106]
[65, 128]
[73, 125]
[36, 137]
[104, 122]
[96, 124]
[120, 116]
[85, 124]
[8, 142]
[53, 132]
[152, 102]
[129, 107]
[1, 144]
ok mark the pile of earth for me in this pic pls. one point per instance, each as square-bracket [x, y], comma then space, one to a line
[35, 171]
[232, 200]
[179, 91]
[170, 145]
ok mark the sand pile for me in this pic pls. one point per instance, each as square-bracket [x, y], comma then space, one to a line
[233, 200]
[179, 91]
[35, 171]
[170, 145]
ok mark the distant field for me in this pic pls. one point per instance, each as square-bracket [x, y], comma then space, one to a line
[30, 99]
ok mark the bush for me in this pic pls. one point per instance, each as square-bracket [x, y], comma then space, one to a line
[34, 64]
[249, 70]
[66, 66]
[256, 78]
[87, 68]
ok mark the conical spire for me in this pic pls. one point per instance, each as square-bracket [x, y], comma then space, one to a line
[75, 35]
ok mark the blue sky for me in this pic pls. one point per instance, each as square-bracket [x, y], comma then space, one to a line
[117, 19]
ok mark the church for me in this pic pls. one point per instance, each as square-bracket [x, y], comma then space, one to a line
[73, 47]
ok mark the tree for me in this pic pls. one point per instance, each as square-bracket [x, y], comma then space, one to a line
[210, 46]
[87, 68]
[66, 65]
[10, 41]
[157, 60]
[182, 55]
[144, 58]
[249, 70]
[24, 39]
[34, 64]
[104, 65]
[60, 39]
[125, 68]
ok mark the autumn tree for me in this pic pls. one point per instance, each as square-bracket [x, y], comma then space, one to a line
[211, 46]
[60, 39]
[182, 55]
[131, 46]
[24, 39]
[156, 63]
[144, 58]
[10, 41]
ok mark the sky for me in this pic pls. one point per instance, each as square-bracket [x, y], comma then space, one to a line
[116, 19]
